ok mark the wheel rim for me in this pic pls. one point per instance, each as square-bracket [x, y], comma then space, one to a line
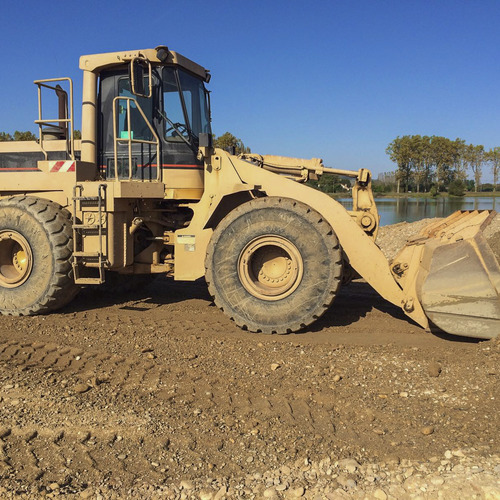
[16, 259]
[270, 267]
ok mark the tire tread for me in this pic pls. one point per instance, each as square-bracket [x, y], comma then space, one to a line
[315, 219]
[57, 222]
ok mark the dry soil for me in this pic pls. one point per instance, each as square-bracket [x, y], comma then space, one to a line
[156, 394]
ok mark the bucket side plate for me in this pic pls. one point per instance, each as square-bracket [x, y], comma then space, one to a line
[461, 292]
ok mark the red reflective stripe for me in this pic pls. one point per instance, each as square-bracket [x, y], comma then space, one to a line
[57, 166]
[63, 166]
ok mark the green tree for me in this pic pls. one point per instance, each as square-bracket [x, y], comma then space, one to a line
[475, 157]
[422, 161]
[460, 161]
[457, 188]
[493, 158]
[443, 159]
[428, 166]
[400, 152]
[434, 191]
[330, 184]
[24, 136]
[417, 146]
[227, 141]
[327, 183]
[4, 136]
[18, 136]
[77, 134]
[438, 161]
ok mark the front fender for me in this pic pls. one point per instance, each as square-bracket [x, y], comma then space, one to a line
[227, 174]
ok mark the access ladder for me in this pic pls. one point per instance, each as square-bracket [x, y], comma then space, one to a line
[91, 225]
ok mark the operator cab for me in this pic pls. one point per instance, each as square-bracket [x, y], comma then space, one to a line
[151, 114]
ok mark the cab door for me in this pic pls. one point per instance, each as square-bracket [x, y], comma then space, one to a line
[184, 115]
[137, 158]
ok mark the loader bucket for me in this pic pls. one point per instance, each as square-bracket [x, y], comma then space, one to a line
[458, 280]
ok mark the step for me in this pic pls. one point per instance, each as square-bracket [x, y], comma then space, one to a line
[95, 265]
[87, 254]
[86, 226]
[88, 281]
[87, 198]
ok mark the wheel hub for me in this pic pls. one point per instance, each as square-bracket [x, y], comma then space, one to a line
[270, 267]
[16, 259]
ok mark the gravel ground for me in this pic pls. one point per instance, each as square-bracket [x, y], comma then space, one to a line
[158, 395]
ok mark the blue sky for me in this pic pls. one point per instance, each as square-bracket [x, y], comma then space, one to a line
[331, 79]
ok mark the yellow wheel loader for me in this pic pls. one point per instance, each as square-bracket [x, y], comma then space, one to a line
[145, 192]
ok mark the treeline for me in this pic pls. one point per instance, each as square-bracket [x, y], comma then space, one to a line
[28, 136]
[17, 136]
[433, 162]
[331, 184]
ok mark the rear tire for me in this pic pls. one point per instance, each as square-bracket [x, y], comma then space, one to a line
[36, 245]
[274, 265]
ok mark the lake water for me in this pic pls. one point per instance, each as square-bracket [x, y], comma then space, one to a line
[394, 210]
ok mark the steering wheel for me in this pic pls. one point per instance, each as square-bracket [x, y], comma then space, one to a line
[180, 128]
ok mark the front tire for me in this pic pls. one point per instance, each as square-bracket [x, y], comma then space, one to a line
[274, 265]
[36, 244]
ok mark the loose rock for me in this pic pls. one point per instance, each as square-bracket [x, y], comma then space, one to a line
[380, 494]
[434, 369]
[81, 388]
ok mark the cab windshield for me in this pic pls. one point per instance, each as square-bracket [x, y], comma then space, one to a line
[185, 106]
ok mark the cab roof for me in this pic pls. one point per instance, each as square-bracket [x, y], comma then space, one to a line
[159, 55]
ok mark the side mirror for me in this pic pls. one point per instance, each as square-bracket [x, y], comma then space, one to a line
[205, 140]
[205, 145]
[139, 68]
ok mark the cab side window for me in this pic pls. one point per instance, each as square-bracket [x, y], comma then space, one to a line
[173, 111]
[139, 128]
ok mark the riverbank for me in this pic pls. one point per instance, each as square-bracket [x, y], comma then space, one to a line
[391, 194]
[482, 194]
[409, 208]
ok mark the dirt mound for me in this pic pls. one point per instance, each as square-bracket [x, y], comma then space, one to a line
[392, 238]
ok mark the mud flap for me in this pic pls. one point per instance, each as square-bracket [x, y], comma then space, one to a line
[461, 292]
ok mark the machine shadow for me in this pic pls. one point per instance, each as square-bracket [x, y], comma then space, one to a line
[160, 291]
[358, 298]
[353, 303]
[454, 338]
